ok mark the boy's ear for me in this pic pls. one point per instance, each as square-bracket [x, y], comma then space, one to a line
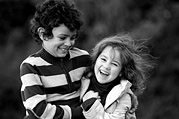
[41, 31]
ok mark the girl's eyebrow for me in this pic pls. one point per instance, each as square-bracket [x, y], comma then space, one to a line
[117, 62]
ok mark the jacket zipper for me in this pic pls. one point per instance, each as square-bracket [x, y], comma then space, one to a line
[67, 75]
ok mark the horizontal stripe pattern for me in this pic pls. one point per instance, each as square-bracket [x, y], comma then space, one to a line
[60, 80]
[76, 52]
[54, 80]
[30, 80]
[55, 96]
[81, 61]
[31, 91]
[63, 89]
[40, 108]
[48, 70]
[76, 74]
[38, 61]
[46, 114]
[74, 102]
[31, 102]
[45, 84]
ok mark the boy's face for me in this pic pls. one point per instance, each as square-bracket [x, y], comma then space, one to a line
[108, 65]
[63, 39]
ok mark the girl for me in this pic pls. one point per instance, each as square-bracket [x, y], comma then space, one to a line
[119, 69]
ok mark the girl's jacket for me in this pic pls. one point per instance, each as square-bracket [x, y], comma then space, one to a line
[118, 102]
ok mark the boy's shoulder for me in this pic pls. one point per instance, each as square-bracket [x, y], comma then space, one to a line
[75, 52]
[35, 59]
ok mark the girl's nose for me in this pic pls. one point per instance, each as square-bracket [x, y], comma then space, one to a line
[107, 66]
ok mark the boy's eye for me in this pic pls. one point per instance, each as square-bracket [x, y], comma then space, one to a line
[74, 37]
[103, 59]
[62, 38]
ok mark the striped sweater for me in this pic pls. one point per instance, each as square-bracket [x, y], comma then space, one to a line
[50, 85]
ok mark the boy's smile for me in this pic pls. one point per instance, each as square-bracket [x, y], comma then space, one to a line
[63, 39]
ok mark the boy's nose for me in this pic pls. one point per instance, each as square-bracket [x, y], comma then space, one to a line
[68, 42]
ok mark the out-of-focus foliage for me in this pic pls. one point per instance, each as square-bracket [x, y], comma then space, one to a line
[154, 19]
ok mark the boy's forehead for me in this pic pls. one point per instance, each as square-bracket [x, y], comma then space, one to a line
[62, 29]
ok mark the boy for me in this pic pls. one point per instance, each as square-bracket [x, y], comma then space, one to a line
[51, 78]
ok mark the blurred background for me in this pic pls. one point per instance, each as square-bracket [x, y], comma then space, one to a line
[157, 20]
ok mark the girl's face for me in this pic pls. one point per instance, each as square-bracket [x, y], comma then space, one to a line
[63, 39]
[108, 65]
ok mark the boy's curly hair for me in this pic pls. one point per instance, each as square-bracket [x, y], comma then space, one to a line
[135, 58]
[51, 14]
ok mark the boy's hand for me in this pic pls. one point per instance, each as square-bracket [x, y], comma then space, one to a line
[90, 94]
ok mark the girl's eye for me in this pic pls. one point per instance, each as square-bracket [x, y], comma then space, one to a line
[115, 64]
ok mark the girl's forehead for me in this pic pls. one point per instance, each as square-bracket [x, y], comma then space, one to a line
[111, 52]
[110, 49]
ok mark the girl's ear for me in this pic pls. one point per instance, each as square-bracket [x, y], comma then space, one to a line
[41, 31]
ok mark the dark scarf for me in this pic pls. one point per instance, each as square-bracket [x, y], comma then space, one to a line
[102, 89]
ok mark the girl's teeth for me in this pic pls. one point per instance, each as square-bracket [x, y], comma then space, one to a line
[104, 73]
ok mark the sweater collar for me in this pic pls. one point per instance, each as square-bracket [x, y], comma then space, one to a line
[51, 59]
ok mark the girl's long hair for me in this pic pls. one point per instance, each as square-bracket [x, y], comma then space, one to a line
[135, 58]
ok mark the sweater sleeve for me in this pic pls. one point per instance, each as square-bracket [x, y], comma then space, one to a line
[34, 97]
[88, 103]
[77, 113]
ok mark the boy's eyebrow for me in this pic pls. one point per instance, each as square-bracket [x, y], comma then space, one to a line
[62, 34]
[103, 55]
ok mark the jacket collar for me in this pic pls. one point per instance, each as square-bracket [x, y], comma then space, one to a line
[117, 92]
